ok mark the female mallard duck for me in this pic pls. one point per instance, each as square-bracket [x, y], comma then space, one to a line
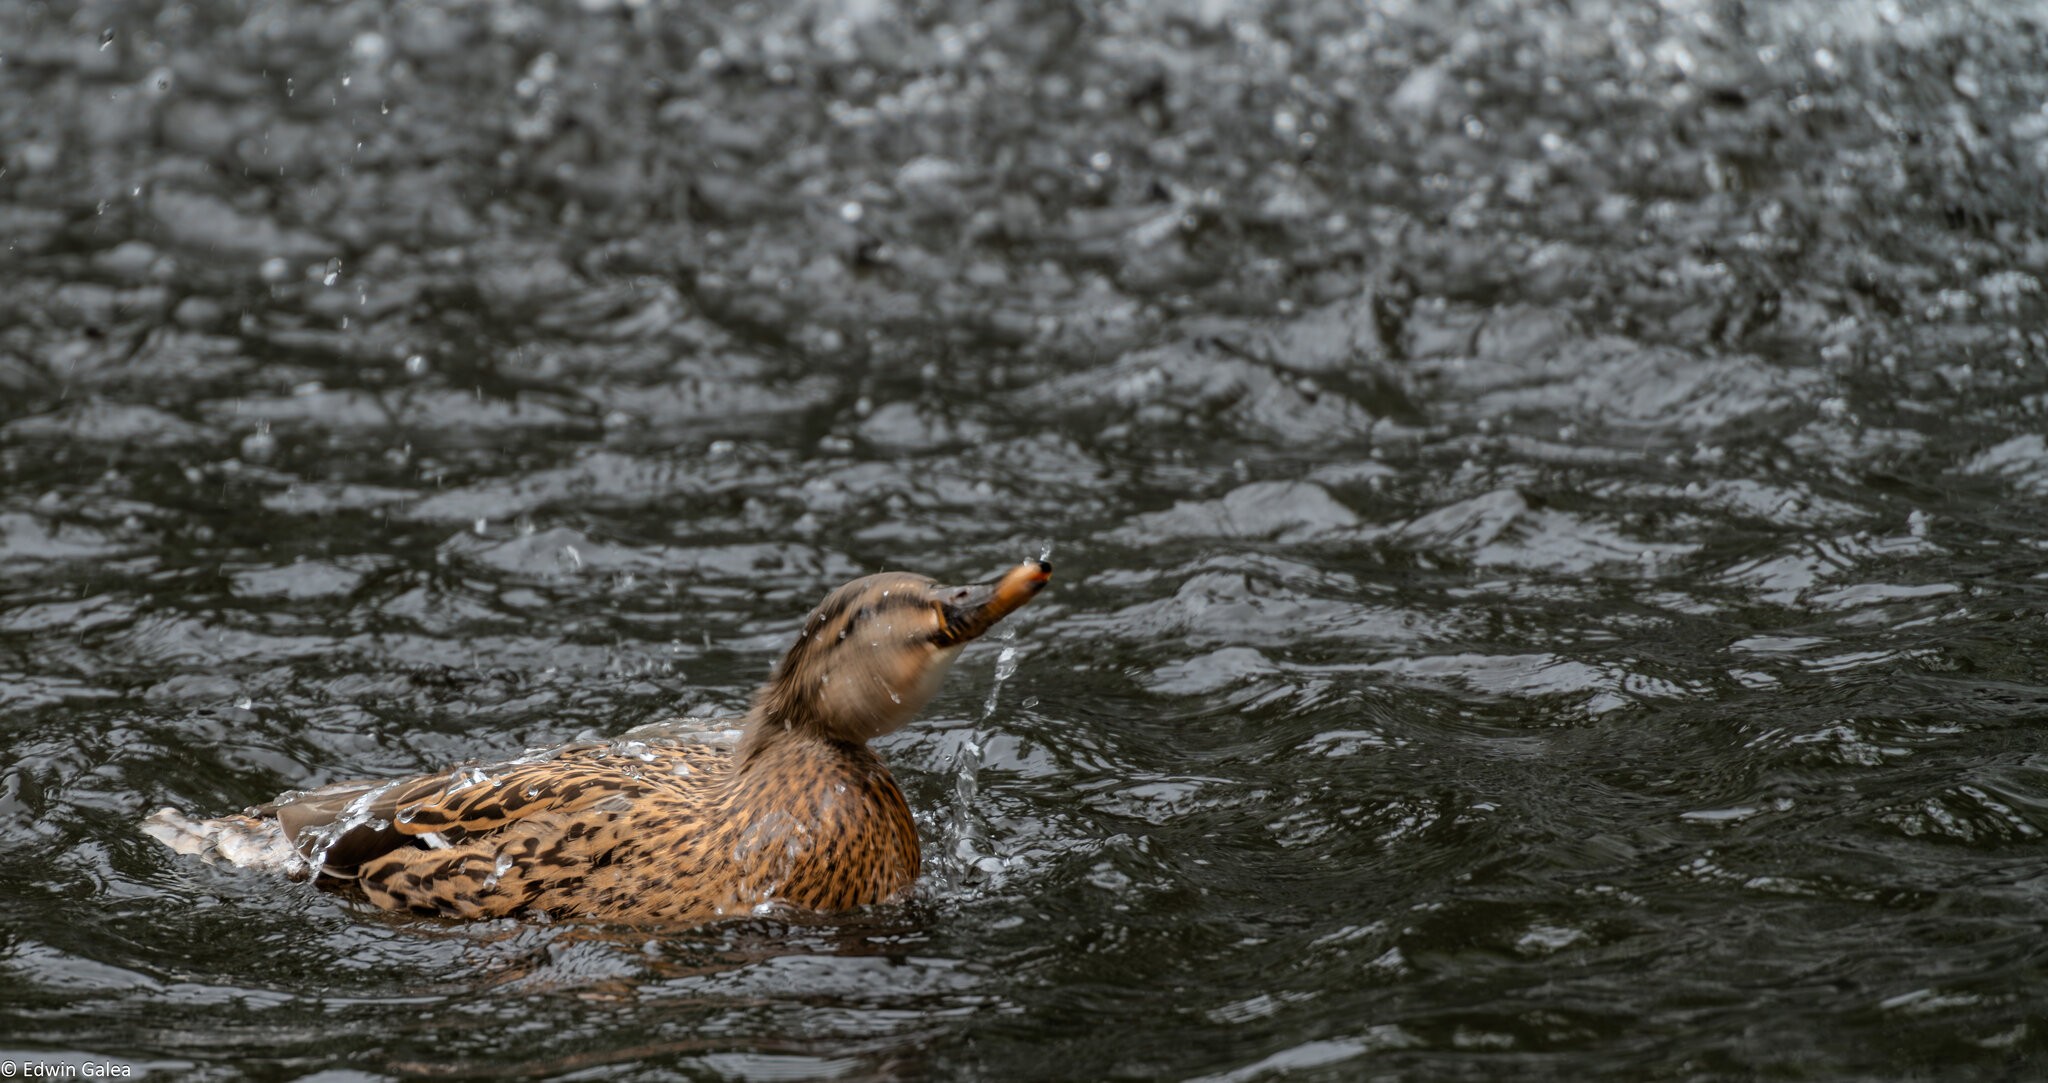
[656, 826]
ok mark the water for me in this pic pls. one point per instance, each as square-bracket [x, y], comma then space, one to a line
[972, 862]
[1549, 507]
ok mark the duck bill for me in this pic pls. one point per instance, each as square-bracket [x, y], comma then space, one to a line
[987, 603]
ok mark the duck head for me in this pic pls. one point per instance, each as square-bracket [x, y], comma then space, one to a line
[873, 652]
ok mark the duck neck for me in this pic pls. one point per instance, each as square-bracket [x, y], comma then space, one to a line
[771, 734]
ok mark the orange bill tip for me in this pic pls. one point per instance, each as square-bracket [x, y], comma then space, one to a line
[1019, 585]
[975, 609]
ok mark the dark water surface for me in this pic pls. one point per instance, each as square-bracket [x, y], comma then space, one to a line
[1548, 501]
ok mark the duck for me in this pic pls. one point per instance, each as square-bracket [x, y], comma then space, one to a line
[668, 823]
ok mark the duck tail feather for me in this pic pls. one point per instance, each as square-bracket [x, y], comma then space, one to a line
[243, 841]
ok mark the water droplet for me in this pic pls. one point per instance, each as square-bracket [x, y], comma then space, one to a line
[416, 365]
[259, 446]
[244, 703]
[498, 870]
[106, 38]
[851, 210]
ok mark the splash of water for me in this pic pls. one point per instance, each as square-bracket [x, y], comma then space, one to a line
[1006, 667]
[357, 814]
[972, 860]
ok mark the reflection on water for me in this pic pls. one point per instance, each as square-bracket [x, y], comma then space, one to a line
[1548, 499]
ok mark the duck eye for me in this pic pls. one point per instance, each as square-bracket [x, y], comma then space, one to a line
[961, 594]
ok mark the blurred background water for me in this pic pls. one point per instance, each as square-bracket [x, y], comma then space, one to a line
[1548, 502]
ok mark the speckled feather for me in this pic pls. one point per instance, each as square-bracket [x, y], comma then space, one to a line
[662, 827]
[669, 833]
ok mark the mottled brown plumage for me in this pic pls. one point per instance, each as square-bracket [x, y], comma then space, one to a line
[660, 824]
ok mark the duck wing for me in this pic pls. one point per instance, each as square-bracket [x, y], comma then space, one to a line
[345, 825]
